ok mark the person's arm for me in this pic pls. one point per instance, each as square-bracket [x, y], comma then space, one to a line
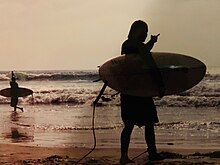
[156, 74]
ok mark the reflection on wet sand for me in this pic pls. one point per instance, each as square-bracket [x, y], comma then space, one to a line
[20, 130]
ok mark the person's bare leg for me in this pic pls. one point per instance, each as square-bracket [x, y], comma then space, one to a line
[150, 140]
[125, 141]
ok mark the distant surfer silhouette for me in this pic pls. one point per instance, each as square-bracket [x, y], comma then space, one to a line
[14, 92]
[136, 110]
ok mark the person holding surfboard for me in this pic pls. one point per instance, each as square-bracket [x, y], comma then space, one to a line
[14, 93]
[139, 110]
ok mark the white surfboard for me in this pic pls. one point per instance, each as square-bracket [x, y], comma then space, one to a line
[130, 75]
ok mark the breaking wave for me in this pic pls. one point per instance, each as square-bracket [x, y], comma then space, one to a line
[205, 94]
[51, 75]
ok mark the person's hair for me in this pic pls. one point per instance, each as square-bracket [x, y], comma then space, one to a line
[138, 31]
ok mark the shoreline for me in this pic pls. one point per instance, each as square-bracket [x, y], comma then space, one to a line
[32, 138]
[21, 154]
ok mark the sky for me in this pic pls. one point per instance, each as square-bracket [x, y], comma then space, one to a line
[83, 34]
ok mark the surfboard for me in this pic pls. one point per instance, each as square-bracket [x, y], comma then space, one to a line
[22, 92]
[130, 75]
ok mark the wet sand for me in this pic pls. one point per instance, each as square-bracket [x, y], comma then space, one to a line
[20, 154]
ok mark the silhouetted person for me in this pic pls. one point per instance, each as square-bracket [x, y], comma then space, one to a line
[136, 110]
[14, 93]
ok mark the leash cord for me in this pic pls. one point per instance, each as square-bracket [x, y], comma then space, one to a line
[93, 122]
[139, 155]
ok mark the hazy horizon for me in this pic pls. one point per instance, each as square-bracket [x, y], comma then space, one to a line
[80, 35]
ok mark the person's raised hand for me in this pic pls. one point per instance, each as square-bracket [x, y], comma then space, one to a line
[154, 38]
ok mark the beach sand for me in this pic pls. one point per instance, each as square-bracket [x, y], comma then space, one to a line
[46, 139]
[20, 154]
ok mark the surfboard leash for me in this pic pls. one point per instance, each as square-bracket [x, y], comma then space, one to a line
[138, 155]
[93, 121]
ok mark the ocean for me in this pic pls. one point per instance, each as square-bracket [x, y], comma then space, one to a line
[60, 112]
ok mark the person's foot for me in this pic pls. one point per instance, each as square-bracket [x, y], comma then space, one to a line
[124, 161]
[155, 157]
